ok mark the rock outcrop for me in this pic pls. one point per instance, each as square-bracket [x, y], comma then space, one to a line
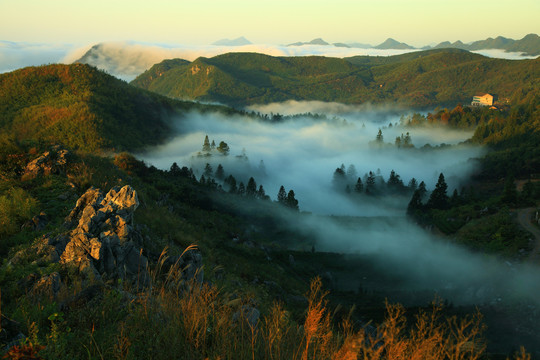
[102, 243]
[50, 162]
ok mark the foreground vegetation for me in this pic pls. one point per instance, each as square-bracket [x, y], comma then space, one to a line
[257, 300]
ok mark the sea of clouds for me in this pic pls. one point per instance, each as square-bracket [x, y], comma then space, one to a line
[128, 59]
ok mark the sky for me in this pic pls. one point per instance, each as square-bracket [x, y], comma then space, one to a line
[416, 22]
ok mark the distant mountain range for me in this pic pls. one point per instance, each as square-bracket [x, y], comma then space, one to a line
[234, 42]
[419, 78]
[529, 45]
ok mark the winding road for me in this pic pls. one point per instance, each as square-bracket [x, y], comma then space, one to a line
[524, 219]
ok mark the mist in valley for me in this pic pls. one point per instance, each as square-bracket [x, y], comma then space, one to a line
[303, 152]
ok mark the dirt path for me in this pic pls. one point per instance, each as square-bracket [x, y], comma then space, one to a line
[524, 219]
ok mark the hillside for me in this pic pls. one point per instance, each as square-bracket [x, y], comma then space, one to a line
[424, 78]
[82, 108]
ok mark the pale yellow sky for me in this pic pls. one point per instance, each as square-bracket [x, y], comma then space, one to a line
[416, 22]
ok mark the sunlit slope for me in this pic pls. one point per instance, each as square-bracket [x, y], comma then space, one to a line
[248, 78]
[81, 107]
[422, 78]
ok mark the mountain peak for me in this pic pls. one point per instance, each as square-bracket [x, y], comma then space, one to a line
[393, 44]
[233, 42]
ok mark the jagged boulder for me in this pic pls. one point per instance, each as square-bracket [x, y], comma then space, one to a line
[47, 287]
[101, 242]
[50, 162]
[104, 242]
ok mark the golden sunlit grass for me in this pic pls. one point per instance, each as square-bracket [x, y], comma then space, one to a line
[181, 318]
[198, 321]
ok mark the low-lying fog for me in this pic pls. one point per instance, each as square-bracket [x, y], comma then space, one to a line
[302, 154]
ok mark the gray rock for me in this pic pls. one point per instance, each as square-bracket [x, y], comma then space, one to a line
[47, 287]
[50, 162]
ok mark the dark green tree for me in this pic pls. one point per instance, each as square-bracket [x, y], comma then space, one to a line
[223, 148]
[231, 181]
[339, 180]
[413, 184]
[261, 194]
[213, 145]
[175, 169]
[379, 138]
[282, 196]
[206, 144]
[438, 198]
[415, 205]
[370, 184]
[359, 187]
[251, 188]
[241, 189]
[208, 171]
[422, 190]
[220, 173]
[395, 184]
[291, 201]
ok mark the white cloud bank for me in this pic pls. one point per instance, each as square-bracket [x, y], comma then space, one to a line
[126, 60]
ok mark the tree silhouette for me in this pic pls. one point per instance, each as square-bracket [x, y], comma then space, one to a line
[223, 148]
[220, 173]
[251, 188]
[291, 201]
[231, 181]
[241, 189]
[359, 187]
[438, 198]
[206, 144]
[208, 171]
[370, 184]
[379, 138]
[282, 195]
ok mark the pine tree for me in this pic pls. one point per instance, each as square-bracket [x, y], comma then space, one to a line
[175, 169]
[220, 173]
[438, 198]
[339, 179]
[213, 145]
[282, 196]
[415, 205]
[291, 201]
[370, 184]
[407, 141]
[379, 138]
[231, 181]
[251, 188]
[412, 184]
[359, 187]
[241, 189]
[206, 144]
[208, 171]
[261, 194]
